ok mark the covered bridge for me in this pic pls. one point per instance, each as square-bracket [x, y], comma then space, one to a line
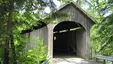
[70, 35]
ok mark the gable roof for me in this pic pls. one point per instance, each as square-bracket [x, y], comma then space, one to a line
[64, 6]
[80, 9]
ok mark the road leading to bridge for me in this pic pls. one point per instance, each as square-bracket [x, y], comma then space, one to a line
[71, 60]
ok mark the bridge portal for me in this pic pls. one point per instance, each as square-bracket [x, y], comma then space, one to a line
[68, 38]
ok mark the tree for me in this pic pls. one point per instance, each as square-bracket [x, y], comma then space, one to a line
[101, 33]
[78, 2]
[99, 9]
[16, 15]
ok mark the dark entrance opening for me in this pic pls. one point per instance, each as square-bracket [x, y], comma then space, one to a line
[64, 40]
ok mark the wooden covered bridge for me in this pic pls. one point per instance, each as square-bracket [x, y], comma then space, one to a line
[69, 36]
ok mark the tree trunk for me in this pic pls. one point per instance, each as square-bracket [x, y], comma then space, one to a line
[13, 50]
[9, 31]
[6, 52]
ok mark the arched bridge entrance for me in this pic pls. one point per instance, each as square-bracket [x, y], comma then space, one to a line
[68, 39]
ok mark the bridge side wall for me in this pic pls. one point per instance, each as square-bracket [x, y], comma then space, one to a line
[41, 33]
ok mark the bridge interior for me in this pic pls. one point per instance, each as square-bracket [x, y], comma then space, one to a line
[66, 38]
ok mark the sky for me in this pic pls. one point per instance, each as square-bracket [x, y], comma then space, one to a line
[57, 3]
[47, 9]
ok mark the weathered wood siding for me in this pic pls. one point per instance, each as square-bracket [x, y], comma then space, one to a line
[77, 15]
[41, 33]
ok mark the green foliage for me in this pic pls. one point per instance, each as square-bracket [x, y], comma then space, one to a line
[99, 9]
[101, 33]
[101, 38]
[15, 16]
[78, 2]
[33, 56]
[1, 54]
